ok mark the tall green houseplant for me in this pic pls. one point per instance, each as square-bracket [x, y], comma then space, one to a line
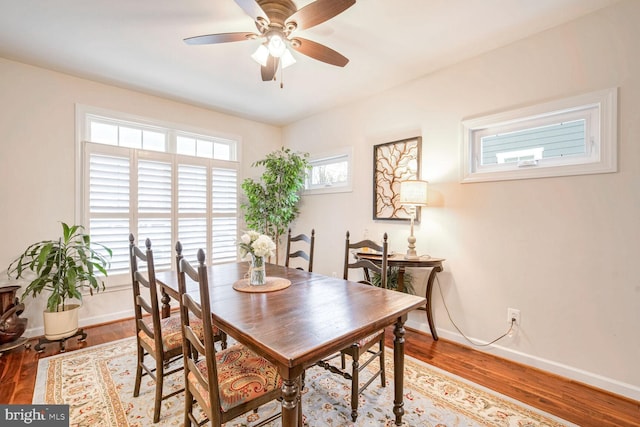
[62, 267]
[272, 202]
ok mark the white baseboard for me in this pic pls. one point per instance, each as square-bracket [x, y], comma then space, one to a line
[589, 378]
[86, 321]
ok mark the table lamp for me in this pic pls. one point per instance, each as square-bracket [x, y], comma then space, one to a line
[413, 193]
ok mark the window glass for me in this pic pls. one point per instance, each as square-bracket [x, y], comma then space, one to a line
[130, 137]
[204, 149]
[104, 133]
[329, 173]
[222, 151]
[543, 142]
[186, 146]
[571, 136]
[155, 141]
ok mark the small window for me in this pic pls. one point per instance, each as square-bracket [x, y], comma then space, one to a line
[329, 173]
[573, 136]
[203, 146]
[131, 135]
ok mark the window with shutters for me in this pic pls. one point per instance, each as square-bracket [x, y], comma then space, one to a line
[157, 182]
[572, 136]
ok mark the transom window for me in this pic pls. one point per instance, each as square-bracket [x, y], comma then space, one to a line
[572, 136]
[329, 173]
[157, 182]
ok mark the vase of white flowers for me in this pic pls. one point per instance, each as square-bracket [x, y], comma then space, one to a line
[256, 247]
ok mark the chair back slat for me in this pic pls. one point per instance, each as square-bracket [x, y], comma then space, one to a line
[307, 254]
[366, 265]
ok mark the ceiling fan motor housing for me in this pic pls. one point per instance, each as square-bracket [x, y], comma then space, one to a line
[278, 11]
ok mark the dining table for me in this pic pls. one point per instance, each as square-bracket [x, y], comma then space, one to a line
[311, 318]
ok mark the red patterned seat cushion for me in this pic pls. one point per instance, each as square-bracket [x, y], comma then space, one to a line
[172, 331]
[242, 376]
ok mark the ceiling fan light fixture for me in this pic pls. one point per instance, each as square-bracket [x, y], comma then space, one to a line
[277, 46]
[287, 59]
[261, 55]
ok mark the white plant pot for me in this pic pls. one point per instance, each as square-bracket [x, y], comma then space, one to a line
[61, 324]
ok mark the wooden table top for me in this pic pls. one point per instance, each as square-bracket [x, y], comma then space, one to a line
[297, 326]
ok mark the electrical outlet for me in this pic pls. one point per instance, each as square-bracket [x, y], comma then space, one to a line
[513, 313]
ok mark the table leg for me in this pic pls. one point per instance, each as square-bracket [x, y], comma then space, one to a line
[290, 404]
[429, 309]
[166, 307]
[400, 279]
[398, 369]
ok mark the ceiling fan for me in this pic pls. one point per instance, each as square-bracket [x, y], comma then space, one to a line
[276, 21]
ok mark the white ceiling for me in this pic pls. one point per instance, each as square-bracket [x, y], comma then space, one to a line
[138, 44]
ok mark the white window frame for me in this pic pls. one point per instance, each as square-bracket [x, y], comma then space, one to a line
[329, 157]
[120, 281]
[598, 109]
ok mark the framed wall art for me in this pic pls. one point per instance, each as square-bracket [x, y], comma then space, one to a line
[394, 162]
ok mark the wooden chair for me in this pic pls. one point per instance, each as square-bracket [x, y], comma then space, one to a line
[362, 349]
[301, 253]
[226, 383]
[156, 337]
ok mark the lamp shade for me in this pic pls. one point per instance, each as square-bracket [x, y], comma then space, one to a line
[261, 55]
[413, 193]
[287, 59]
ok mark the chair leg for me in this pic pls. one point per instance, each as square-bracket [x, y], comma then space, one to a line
[159, 385]
[355, 386]
[223, 341]
[188, 406]
[383, 376]
[136, 387]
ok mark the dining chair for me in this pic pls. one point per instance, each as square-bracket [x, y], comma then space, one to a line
[159, 338]
[308, 256]
[363, 349]
[226, 383]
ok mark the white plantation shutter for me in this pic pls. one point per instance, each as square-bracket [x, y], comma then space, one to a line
[192, 233]
[109, 203]
[192, 209]
[163, 197]
[154, 209]
[224, 205]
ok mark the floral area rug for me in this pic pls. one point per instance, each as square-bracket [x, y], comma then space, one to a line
[97, 383]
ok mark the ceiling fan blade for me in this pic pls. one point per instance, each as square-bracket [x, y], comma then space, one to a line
[318, 51]
[319, 11]
[220, 38]
[269, 70]
[253, 9]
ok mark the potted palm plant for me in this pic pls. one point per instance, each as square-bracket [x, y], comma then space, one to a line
[64, 267]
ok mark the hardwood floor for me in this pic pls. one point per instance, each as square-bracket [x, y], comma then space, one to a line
[567, 399]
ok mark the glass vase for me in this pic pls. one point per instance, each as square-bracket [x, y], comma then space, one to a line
[257, 272]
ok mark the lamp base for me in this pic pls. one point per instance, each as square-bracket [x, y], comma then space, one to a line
[411, 251]
[411, 254]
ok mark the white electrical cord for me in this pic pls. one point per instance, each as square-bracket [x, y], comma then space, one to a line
[510, 332]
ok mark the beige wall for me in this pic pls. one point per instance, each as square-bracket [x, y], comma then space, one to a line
[561, 250]
[37, 161]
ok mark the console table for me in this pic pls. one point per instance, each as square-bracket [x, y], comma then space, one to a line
[398, 260]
